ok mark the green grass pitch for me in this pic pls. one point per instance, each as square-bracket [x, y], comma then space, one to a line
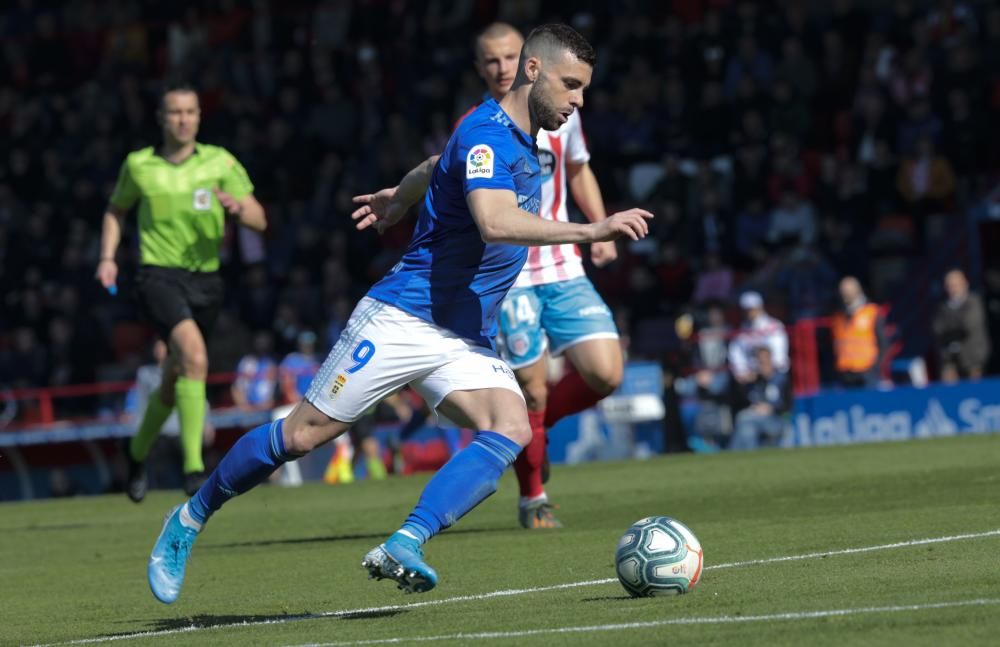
[75, 569]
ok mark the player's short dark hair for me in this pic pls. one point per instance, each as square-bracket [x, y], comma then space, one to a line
[175, 86]
[551, 37]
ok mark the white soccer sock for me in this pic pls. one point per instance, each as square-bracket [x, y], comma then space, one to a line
[188, 520]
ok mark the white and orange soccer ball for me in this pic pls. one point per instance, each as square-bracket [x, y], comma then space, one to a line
[658, 556]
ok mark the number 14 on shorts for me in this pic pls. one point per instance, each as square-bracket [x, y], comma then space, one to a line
[519, 309]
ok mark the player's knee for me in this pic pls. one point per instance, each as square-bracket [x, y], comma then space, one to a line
[612, 380]
[518, 431]
[306, 428]
[195, 362]
[605, 379]
[300, 443]
[535, 395]
[300, 439]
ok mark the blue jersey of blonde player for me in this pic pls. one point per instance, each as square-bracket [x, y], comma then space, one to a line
[300, 369]
[257, 377]
[448, 275]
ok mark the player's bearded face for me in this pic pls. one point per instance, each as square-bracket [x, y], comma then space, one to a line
[543, 106]
[558, 90]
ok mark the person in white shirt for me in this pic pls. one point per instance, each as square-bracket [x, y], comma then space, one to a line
[758, 329]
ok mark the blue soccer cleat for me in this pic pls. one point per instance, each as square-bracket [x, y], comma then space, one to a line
[401, 559]
[169, 557]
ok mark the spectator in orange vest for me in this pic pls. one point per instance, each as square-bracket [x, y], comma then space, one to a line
[858, 337]
[963, 342]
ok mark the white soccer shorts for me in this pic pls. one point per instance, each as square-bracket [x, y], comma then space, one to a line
[384, 348]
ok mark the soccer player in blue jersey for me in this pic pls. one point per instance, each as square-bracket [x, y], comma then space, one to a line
[430, 322]
[553, 309]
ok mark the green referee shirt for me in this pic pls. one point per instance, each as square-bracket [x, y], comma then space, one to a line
[181, 222]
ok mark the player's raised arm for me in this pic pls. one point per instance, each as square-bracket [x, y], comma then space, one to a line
[501, 221]
[386, 207]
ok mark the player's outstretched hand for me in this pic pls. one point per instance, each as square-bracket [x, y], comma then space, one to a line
[228, 202]
[377, 210]
[631, 223]
[602, 254]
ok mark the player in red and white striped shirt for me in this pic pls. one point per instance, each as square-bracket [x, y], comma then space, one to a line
[559, 152]
[552, 308]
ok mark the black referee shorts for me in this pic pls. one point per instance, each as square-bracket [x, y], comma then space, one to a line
[168, 296]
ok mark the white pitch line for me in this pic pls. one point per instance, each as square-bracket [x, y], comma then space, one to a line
[331, 614]
[696, 620]
[855, 551]
[511, 592]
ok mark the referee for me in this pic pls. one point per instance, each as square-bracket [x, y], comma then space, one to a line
[184, 189]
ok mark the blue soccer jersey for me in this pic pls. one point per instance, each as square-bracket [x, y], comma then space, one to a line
[448, 275]
[300, 368]
[256, 377]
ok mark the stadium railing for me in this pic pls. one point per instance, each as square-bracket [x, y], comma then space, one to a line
[806, 357]
[33, 410]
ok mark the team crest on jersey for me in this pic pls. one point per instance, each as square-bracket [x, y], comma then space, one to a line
[479, 163]
[338, 384]
[519, 343]
[202, 199]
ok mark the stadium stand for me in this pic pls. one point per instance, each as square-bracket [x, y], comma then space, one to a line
[784, 144]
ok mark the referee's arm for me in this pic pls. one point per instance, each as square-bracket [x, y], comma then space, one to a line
[126, 193]
[111, 234]
[247, 210]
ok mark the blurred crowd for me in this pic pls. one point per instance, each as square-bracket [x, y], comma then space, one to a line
[783, 146]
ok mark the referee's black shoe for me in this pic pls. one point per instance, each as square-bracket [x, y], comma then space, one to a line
[136, 483]
[193, 481]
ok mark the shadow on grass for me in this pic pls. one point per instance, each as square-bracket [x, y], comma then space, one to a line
[606, 598]
[370, 615]
[206, 621]
[291, 541]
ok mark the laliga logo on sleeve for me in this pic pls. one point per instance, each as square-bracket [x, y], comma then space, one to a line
[479, 163]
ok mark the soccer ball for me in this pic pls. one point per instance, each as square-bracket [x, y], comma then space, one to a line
[658, 556]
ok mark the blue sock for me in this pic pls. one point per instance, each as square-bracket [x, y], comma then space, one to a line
[251, 460]
[466, 480]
